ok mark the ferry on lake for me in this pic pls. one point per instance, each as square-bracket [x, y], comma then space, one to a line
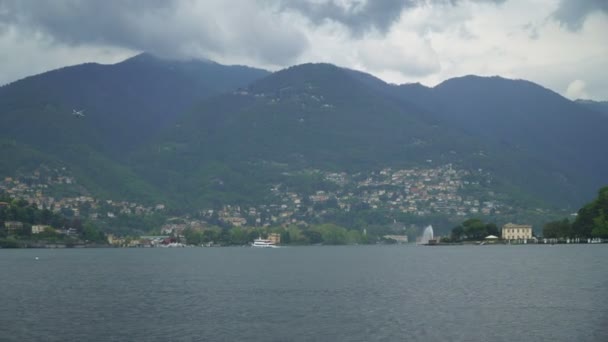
[263, 243]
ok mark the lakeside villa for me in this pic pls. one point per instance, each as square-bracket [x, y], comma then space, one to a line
[511, 231]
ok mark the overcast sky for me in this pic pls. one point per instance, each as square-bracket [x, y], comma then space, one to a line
[560, 44]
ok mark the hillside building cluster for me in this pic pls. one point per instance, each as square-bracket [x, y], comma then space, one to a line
[416, 191]
[440, 190]
[55, 189]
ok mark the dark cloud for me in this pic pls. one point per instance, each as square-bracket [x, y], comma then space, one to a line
[178, 28]
[360, 16]
[246, 30]
[572, 13]
[77, 22]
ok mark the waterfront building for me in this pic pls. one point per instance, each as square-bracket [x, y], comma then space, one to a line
[512, 231]
[274, 238]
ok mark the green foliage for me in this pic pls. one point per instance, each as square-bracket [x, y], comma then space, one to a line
[194, 237]
[473, 230]
[238, 236]
[332, 234]
[600, 227]
[592, 219]
[558, 229]
[91, 233]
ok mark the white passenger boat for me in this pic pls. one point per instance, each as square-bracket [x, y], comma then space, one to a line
[263, 243]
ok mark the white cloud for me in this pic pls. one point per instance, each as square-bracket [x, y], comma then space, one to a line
[576, 90]
[545, 41]
[516, 39]
[404, 53]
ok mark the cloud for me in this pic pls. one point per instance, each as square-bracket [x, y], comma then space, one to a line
[577, 90]
[267, 32]
[359, 16]
[551, 42]
[572, 13]
[33, 54]
[362, 16]
[416, 59]
[179, 28]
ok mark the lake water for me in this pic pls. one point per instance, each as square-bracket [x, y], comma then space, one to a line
[357, 293]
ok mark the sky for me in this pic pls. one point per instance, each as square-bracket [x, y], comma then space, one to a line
[559, 44]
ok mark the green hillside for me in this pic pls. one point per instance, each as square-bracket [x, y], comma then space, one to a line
[322, 116]
[125, 105]
[196, 134]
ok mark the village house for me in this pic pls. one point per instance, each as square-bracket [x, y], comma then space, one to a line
[39, 228]
[13, 226]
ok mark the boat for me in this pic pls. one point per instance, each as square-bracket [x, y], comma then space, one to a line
[263, 243]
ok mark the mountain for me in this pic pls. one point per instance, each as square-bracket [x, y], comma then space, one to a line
[125, 105]
[538, 144]
[198, 134]
[235, 145]
[596, 106]
[535, 138]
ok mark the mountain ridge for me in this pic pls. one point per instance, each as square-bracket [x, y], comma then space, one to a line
[314, 115]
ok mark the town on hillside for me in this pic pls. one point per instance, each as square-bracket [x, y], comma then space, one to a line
[380, 200]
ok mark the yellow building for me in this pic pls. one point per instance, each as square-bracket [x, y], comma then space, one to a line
[512, 231]
[275, 238]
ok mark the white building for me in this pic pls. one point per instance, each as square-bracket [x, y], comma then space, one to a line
[39, 228]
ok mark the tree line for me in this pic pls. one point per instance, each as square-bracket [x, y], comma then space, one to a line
[326, 234]
[591, 221]
[472, 230]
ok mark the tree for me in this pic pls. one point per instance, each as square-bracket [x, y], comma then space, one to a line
[255, 234]
[473, 229]
[457, 233]
[92, 234]
[193, 237]
[238, 236]
[492, 229]
[295, 235]
[313, 236]
[285, 237]
[45, 216]
[353, 237]
[332, 234]
[592, 218]
[557, 229]
[211, 234]
[600, 227]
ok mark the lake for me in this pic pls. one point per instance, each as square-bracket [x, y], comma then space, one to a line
[351, 293]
